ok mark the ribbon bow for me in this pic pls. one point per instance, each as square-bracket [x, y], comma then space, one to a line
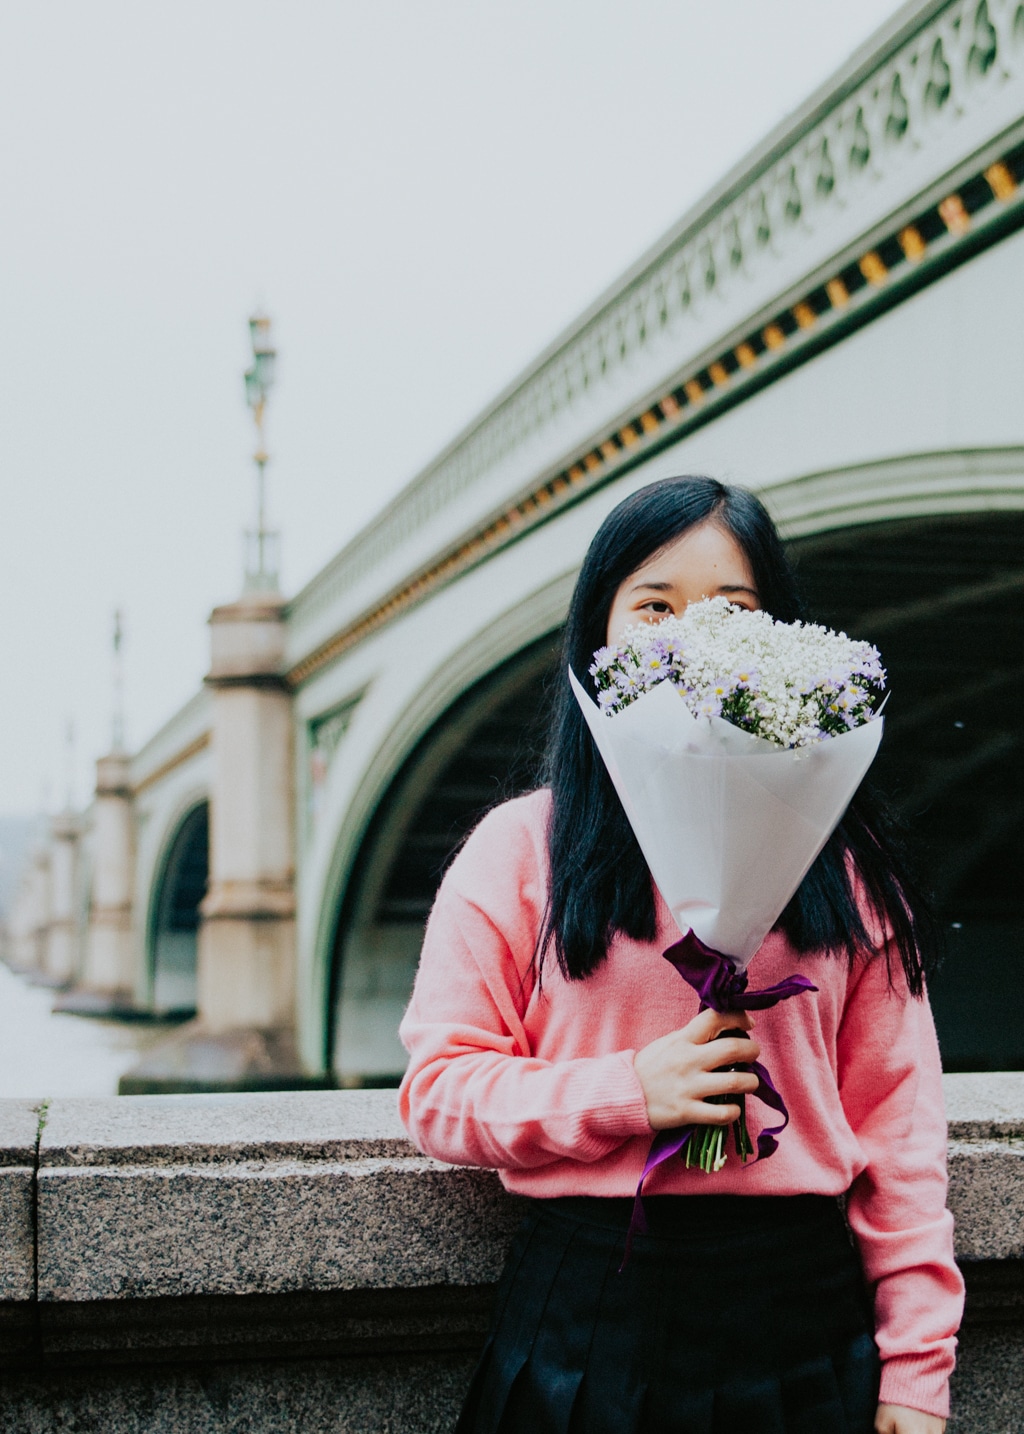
[721, 988]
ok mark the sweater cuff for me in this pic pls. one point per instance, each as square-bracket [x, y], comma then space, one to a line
[616, 1104]
[917, 1381]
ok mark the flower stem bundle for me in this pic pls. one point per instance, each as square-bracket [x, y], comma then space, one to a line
[706, 1147]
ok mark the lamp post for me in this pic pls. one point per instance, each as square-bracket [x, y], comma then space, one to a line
[243, 1037]
[261, 557]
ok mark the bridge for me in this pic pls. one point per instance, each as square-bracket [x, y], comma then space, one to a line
[837, 325]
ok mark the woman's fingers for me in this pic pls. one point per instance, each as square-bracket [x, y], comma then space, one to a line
[702, 1112]
[708, 1024]
[726, 1083]
[729, 1051]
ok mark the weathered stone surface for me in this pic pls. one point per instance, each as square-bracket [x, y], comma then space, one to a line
[132, 1232]
[200, 1129]
[986, 1196]
[245, 1194]
[16, 1272]
[410, 1394]
[290, 1261]
[19, 1128]
[19, 1124]
[986, 1105]
[301, 1325]
[987, 1391]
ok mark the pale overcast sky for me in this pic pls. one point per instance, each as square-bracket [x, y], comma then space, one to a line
[421, 192]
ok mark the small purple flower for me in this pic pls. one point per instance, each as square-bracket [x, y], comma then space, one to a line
[656, 662]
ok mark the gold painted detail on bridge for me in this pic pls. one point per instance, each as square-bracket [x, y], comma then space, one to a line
[938, 230]
[180, 757]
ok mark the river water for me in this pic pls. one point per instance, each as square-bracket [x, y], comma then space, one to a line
[48, 1053]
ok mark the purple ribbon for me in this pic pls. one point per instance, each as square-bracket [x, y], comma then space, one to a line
[721, 988]
[719, 985]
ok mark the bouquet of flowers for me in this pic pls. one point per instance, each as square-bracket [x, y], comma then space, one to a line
[790, 682]
[735, 744]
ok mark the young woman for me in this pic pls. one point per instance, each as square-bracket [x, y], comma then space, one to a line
[549, 1039]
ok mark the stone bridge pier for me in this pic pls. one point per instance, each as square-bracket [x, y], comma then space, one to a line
[106, 974]
[243, 1034]
[108, 956]
[61, 966]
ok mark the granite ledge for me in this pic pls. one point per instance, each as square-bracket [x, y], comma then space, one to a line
[154, 1130]
[298, 1325]
[19, 1128]
[331, 1125]
[247, 1194]
[985, 1105]
[132, 1232]
[986, 1196]
[19, 1131]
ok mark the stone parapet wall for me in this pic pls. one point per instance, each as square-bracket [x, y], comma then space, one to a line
[272, 1263]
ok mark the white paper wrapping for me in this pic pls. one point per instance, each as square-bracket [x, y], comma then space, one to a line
[728, 823]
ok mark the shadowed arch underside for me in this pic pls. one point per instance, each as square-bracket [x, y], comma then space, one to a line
[175, 928]
[943, 598]
[486, 747]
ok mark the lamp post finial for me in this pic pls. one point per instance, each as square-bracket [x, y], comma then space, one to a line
[262, 544]
[117, 723]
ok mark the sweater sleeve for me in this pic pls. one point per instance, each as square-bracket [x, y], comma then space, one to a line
[890, 1084]
[474, 1093]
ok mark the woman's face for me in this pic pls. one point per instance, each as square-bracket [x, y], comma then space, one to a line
[705, 562]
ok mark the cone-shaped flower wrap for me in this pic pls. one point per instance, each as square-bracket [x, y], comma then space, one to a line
[728, 823]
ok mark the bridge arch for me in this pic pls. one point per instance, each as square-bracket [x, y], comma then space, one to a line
[173, 926]
[892, 551]
[912, 485]
[942, 595]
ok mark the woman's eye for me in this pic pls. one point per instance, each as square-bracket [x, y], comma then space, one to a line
[659, 606]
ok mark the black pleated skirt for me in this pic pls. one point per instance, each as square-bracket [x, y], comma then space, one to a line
[734, 1315]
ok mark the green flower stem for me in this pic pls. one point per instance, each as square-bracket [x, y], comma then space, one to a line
[706, 1149]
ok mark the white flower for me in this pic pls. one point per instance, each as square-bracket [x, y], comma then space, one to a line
[793, 683]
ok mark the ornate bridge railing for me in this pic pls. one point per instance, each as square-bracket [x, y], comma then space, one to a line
[907, 162]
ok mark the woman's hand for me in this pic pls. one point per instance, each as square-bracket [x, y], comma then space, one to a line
[894, 1419]
[678, 1072]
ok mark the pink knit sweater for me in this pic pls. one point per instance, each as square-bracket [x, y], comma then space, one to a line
[540, 1084]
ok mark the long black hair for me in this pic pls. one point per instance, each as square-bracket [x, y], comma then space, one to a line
[599, 881]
